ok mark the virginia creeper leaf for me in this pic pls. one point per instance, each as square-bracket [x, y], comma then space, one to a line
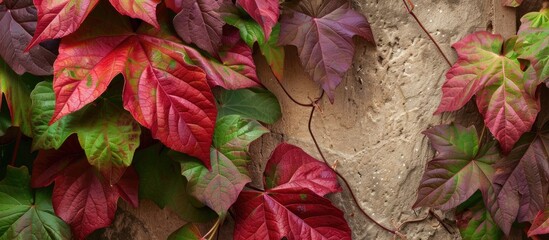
[540, 225]
[497, 81]
[476, 223]
[43, 104]
[251, 33]
[142, 9]
[323, 36]
[160, 180]
[188, 232]
[254, 103]
[236, 55]
[199, 22]
[533, 45]
[292, 168]
[220, 187]
[459, 168]
[174, 5]
[162, 91]
[109, 136]
[80, 196]
[264, 12]
[17, 25]
[521, 183]
[24, 215]
[292, 210]
[16, 92]
[59, 18]
[511, 3]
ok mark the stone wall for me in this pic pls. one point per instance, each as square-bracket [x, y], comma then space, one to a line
[373, 130]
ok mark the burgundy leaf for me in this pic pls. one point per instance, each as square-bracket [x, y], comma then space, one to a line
[291, 168]
[264, 12]
[200, 23]
[540, 225]
[323, 36]
[17, 25]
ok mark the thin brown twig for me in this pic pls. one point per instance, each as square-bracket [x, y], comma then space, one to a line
[290, 96]
[411, 12]
[432, 213]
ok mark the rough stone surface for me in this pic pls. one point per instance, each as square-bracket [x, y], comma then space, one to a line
[373, 131]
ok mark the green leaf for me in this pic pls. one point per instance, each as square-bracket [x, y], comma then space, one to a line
[17, 94]
[254, 103]
[188, 232]
[251, 32]
[160, 180]
[476, 223]
[109, 135]
[47, 136]
[220, 187]
[21, 216]
[533, 45]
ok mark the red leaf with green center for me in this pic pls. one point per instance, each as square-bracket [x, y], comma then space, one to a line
[235, 54]
[59, 18]
[521, 183]
[17, 25]
[293, 209]
[292, 168]
[540, 225]
[162, 91]
[533, 45]
[476, 223]
[219, 188]
[264, 12]
[80, 196]
[323, 36]
[458, 169]
[141, 9]
[199, 22]
[497, 81]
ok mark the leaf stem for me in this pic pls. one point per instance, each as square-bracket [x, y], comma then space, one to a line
[16, 149]
[213, 230]
[290, 96]
[411, 12]
[432, 213]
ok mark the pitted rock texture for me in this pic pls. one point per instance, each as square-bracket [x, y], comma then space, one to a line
[373, 131]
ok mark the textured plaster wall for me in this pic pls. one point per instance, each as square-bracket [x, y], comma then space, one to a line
[374, 128]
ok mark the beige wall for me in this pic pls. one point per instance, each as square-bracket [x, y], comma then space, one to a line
[374, 128]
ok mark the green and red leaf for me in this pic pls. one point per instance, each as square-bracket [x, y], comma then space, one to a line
[459, 168]
[540, 225]
[533, 45]
[323, 36]
[162, 91]
[509, 110]
[16, 91]
[511, 3]
[264, 12]
[141, 9]
[188, 232]
[477, 223]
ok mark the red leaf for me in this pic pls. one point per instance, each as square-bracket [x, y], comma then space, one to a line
[540, 225]
[200, 23]
[142, 9]
[291, 168]
[323, 36]
[162, 91]
[497, 81]
[57, 19]
[17, 25]
[81, 197]
[292, 209]
[174, 5]
[264, 12]
[294, 214]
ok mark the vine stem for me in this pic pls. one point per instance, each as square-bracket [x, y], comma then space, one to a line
[16, 149]
[211, 234]
[410, 9]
